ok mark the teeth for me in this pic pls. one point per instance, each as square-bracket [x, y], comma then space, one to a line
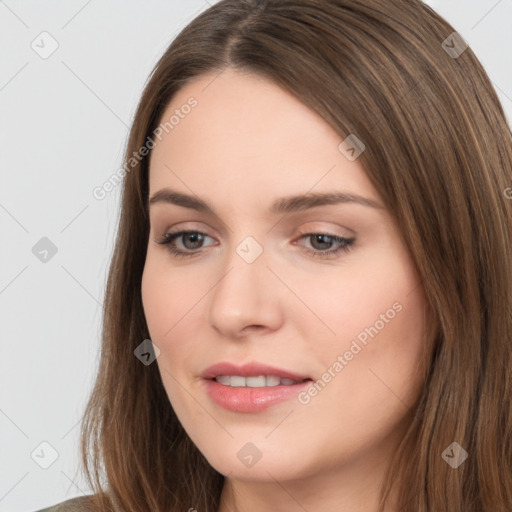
[237, 381]
[253, 382]
[272, 380]
[223, 379]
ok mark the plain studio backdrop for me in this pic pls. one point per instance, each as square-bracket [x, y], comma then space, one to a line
[71, 76]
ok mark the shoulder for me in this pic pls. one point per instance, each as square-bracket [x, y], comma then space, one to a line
[78, 504]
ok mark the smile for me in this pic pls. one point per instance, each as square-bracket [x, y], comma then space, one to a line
[259, 381]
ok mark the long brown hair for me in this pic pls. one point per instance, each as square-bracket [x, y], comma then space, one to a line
[438, 150]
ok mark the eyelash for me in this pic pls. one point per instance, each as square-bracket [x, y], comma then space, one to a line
[346, 244]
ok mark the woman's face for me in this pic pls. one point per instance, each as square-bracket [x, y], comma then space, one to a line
[264, 285]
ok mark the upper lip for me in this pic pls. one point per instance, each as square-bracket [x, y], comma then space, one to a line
[251, 369]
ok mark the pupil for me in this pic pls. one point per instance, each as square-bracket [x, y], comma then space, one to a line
[319, 237]
[194, 236]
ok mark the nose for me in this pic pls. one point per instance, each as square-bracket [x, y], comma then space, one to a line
[245, 299]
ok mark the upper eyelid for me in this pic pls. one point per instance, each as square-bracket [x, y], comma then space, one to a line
[183, 226]
[316, 230]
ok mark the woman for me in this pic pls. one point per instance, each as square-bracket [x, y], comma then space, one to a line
[248, 366]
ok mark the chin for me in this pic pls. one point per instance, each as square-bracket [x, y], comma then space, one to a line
[268, 468]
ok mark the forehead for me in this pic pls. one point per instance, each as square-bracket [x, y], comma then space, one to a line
[245, 134]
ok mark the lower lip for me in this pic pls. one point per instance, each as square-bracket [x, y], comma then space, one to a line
[246, 399]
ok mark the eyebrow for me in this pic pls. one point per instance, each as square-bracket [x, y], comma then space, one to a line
[280, 206]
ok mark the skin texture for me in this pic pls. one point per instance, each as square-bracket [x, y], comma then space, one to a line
[246, 144]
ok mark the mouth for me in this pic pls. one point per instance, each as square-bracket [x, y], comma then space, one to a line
[256, 381]
[252, 387]
[252, 374]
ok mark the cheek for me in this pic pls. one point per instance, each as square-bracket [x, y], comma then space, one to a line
[168, 298]
[377, 315]
[172, 304]
[373, 294]
[174, 308]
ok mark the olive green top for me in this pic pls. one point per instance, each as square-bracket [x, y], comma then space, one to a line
[78, 504]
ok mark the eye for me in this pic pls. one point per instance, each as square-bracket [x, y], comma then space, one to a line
[196, 237]
[344, 244]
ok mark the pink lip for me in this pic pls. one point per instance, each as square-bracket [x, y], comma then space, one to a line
[245, 399]
[251, 399]
[249, 369]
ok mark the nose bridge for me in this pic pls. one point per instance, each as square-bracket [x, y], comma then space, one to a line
[246, 272]
[245, 294]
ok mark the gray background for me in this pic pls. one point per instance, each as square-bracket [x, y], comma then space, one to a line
[64, 123]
